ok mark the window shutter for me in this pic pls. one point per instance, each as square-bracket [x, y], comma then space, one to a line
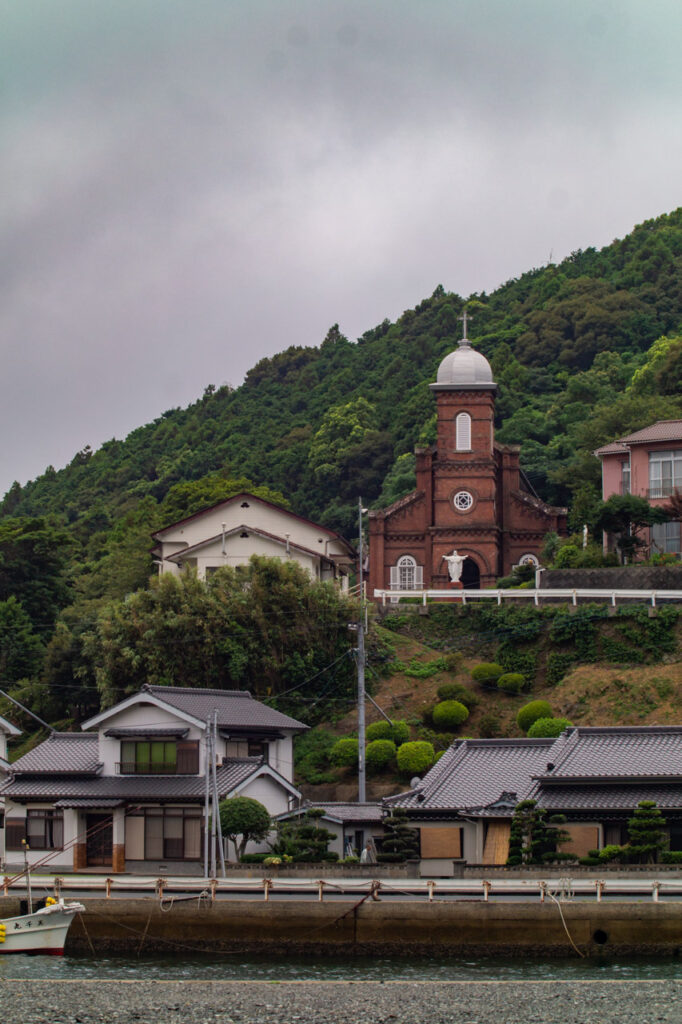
[188, 757]
[418, 577]
[15, 831]
[395, 577]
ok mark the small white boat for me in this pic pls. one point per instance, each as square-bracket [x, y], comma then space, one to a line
[43, 931]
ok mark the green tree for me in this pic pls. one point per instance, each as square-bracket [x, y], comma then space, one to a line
[625, 515]
[33, 561]
[646, 833]
[21, 649]
[400, 842]
[304, 839]
[242, 821]
[265, 626]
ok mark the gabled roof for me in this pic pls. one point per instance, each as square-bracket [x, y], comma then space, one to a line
[661, 430]
[236, 709]
[178, 556]
[617, 752]
[608, 798]
[62, 753]
[474, 774]
[246, 496]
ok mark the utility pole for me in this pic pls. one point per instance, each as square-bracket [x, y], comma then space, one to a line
[207, 768]
[362, 793]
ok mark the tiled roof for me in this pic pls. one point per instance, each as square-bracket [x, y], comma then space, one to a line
[349, 812]
[72, 753]
[472, 774]
[132, 787]
[608, 798]
[617, 752]
[614, 448]
[177, 732]
[662, 430]
[236, 708]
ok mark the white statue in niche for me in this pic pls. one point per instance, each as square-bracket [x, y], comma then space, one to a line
[455, 563]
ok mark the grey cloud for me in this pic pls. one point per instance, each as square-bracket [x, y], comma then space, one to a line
[188, 187]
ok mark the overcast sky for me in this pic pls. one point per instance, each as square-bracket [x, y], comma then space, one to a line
[189, 185]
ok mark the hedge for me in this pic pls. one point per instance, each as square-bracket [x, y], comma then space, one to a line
[530, 713]
[511, 682]
[344, 753]
[379, 754]
[449, 714]
[415, 757]
[487, 672]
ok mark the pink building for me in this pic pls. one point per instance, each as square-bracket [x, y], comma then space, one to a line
[647, 463]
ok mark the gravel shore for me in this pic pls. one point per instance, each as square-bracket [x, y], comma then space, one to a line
[148, 1002]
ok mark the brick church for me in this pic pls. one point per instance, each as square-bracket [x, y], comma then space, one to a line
[470, 498]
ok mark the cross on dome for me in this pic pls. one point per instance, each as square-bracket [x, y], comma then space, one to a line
[465, 318]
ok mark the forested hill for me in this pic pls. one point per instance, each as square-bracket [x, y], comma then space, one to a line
[583, 351]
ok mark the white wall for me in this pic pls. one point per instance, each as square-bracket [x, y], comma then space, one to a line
[240, 549]
[135, 717]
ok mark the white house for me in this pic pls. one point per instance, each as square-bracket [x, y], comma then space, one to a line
[7, 730]
[230, 532]
[127, 794]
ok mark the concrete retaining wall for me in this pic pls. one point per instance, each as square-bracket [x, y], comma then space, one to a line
[626, 577]
[459, 928]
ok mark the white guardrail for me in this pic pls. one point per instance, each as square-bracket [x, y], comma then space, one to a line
[463, 596]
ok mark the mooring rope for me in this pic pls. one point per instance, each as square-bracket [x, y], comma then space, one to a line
[563, 921]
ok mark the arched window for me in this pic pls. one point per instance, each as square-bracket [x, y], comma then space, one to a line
[406, 574]
[463, 432]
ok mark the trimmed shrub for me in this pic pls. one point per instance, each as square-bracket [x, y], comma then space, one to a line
[530, 713]
[487, 673]
[379, 754]
[400, 732]
[548, 727]
[489, 726]
[456, 691]
[415, 757]
[449, 714]
[344, 753]
[378, 731]
[511, 682]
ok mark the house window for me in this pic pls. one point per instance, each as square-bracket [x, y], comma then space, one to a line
[665, 537]
[257, 748]
[625, 477]
[463, 432]
[665, 473]
[45, 829]
[159, 757]
[172, 833]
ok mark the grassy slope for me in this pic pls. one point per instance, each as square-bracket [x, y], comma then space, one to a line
[595, 694]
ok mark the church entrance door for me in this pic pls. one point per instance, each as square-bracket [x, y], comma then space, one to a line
[471, 575]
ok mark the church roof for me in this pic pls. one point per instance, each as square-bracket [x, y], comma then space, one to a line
[465, 368]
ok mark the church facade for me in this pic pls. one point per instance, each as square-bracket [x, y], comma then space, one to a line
[470, 496]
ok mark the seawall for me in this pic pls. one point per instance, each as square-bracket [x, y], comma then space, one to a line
[135, 926]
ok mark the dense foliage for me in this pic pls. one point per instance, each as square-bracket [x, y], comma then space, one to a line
[583, 351]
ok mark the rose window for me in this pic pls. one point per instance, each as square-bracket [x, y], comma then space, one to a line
[463, 501]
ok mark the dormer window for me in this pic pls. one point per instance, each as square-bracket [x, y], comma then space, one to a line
[463, 432]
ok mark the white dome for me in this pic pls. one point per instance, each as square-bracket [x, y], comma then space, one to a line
[465, 367]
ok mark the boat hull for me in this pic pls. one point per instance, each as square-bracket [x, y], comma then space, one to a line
[43, 932]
